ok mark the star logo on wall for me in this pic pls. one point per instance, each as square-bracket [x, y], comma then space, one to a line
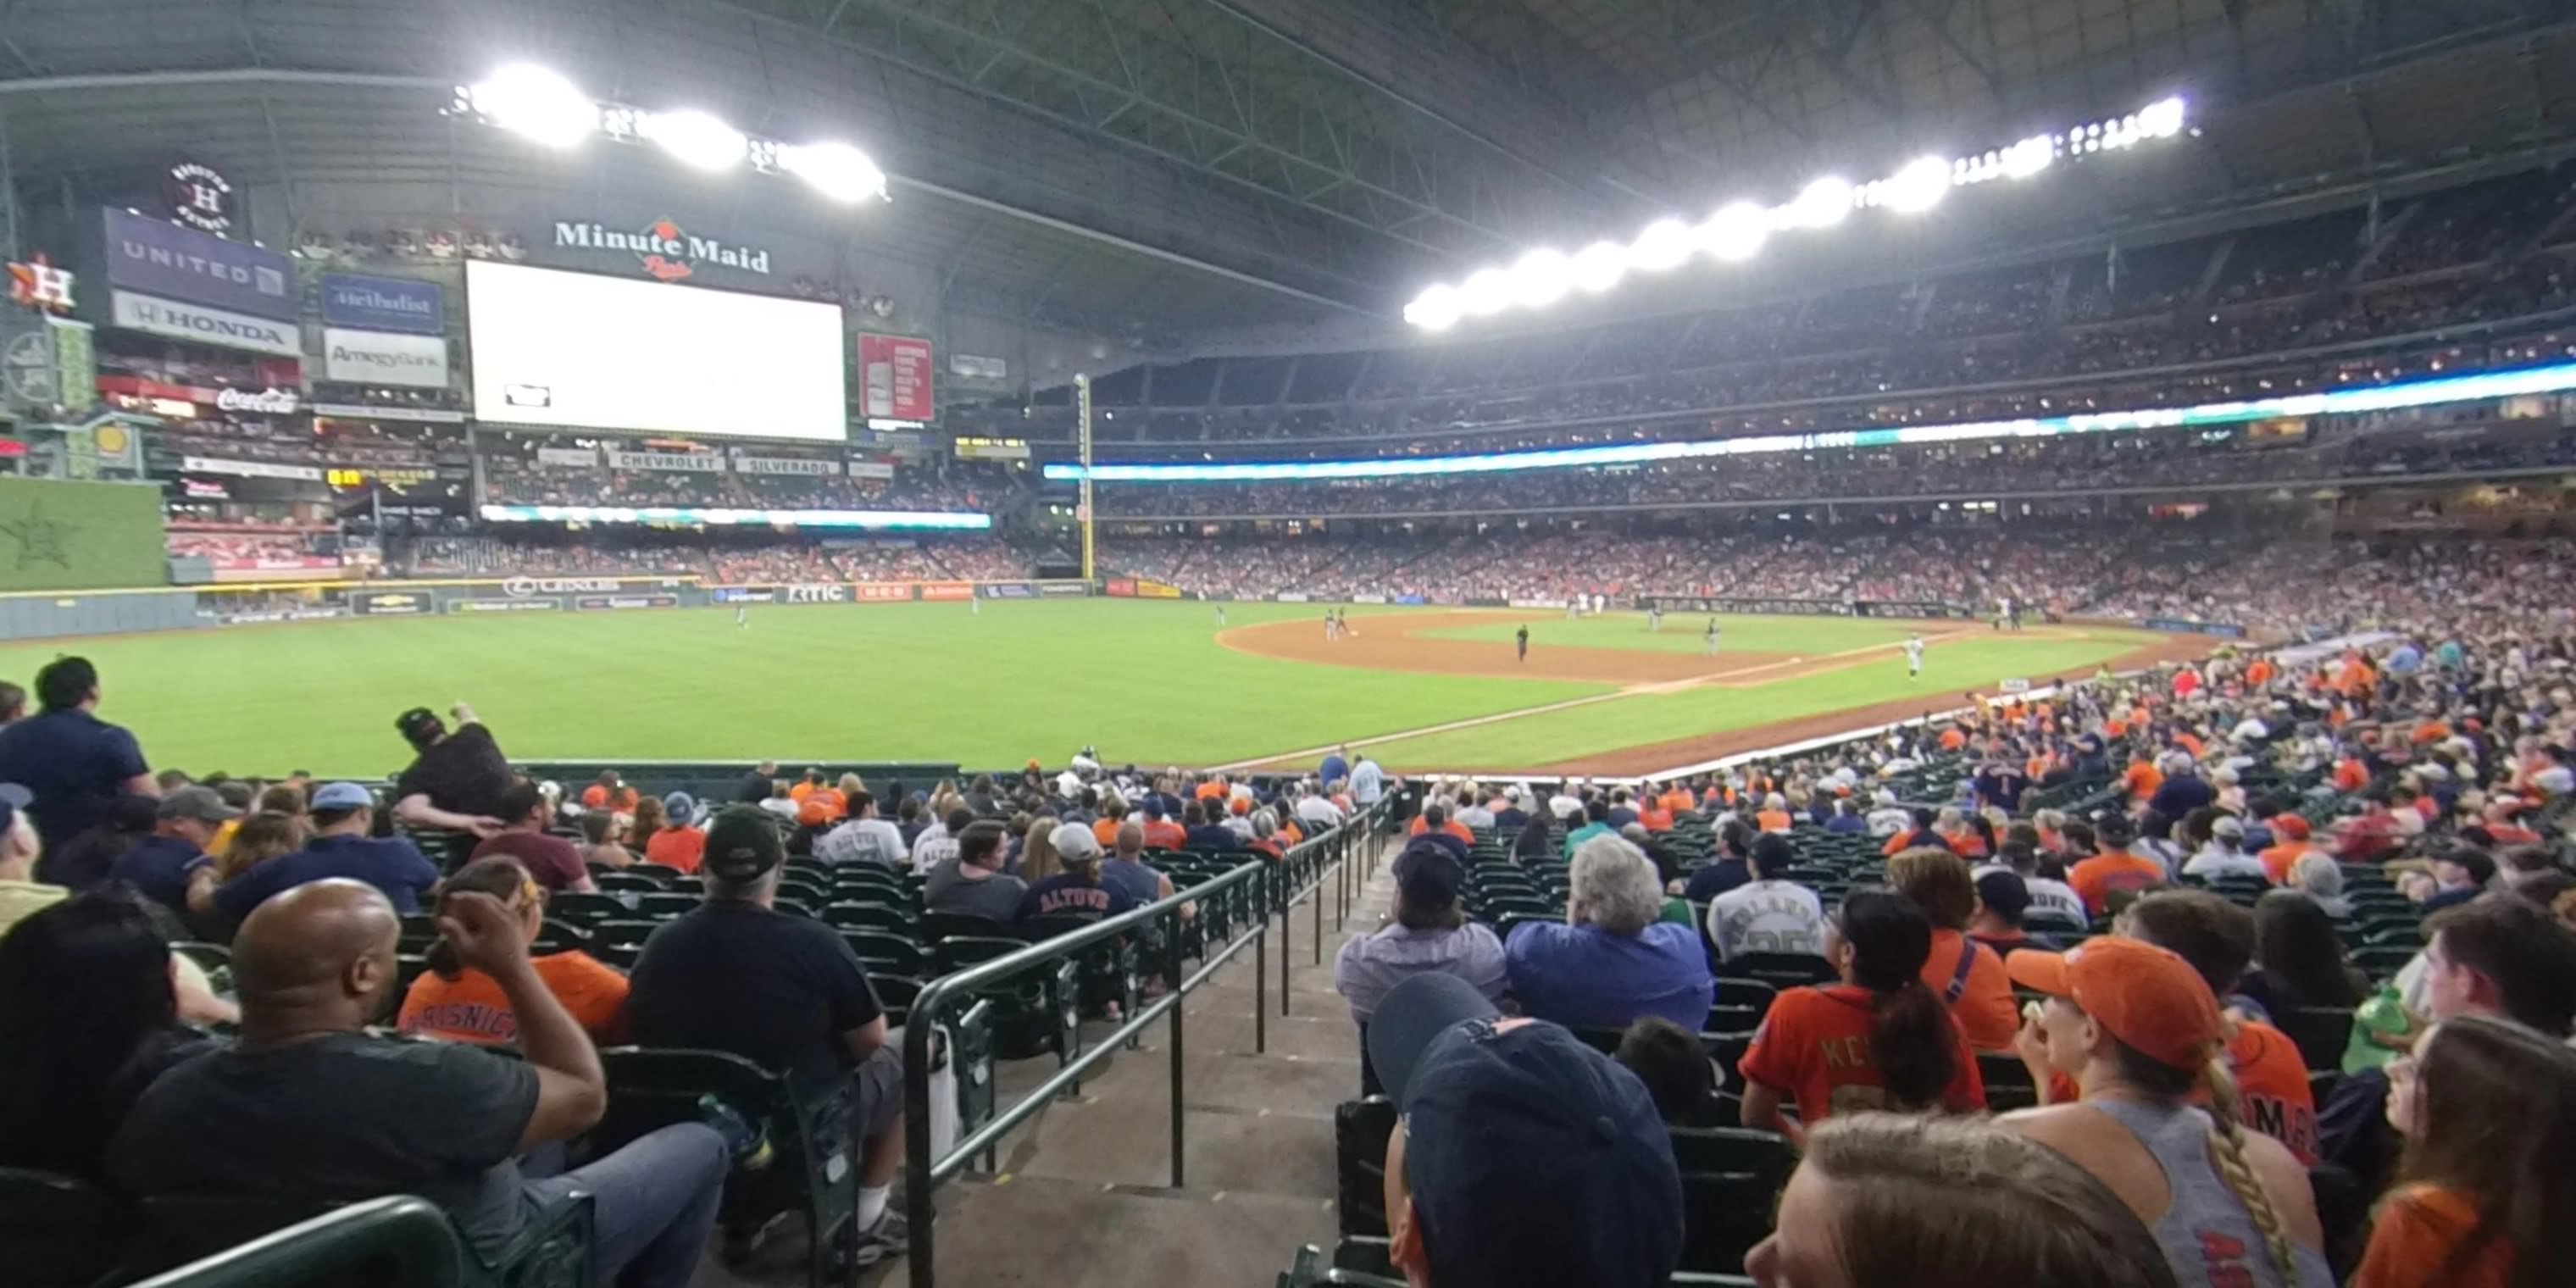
[40, 539]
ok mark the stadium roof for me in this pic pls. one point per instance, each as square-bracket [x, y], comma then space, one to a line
[1167, 166]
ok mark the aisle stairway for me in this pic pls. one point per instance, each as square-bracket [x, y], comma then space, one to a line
[1083, 1195]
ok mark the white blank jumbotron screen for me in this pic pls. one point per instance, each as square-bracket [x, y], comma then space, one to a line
[581, 351]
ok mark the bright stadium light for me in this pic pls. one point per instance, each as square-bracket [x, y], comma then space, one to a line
[1487, 290]
[1663, 246]
[1736, 232]
[2163, 118]
[1918, 187]
[1733, 236]
[1541, 278]
[836, 170]
[534, 103]
[1599, 266]
[1436, 309]
[1822, 204]
[696, 139]
[2030, 156]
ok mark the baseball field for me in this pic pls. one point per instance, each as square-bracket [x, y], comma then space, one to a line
[992, 686]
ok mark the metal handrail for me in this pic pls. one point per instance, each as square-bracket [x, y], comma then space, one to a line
[923, 1173]
[411, 1235]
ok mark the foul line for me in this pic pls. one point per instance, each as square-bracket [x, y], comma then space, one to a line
[1713, 678]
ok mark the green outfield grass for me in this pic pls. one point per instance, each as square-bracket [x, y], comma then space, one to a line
[1142, 680]
[1951, 668]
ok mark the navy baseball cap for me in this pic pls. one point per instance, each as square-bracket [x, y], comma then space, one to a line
[1430, 872]
[1532, 1159]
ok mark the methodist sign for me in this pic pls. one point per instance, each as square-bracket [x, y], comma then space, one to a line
[382, 304]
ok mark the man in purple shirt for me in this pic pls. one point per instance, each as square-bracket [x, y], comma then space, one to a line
[1430, 933]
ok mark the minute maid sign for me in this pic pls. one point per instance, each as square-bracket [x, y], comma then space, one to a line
[665, 250]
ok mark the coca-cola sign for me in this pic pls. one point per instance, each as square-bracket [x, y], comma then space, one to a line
[264, 402]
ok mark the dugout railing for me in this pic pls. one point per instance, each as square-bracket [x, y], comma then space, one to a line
[1241, 901]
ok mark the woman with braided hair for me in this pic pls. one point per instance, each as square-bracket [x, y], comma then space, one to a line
[1932, 1202]
[2139, 1030]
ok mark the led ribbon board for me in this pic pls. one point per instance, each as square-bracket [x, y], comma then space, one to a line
[2418, 393]
[866, 520]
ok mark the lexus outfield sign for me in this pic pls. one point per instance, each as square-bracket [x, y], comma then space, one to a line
[201, 324]
[383, 358]
[524, 587]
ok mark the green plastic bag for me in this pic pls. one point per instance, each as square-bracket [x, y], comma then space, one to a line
[2383, 1014]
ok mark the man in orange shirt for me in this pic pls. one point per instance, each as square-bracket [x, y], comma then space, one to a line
[1438, 815]
[2142, 778]
[1676, 799]
[1964, 973]
[806, 786]
[609, 793]
[1162, 833]
[2114, 870]
[1113, 811]
[2292, 833]
[455, 1004]
[678, 845]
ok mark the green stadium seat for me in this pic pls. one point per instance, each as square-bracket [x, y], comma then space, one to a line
[58, 1231]
[895, 953]
[1360, 1130]
[2320, 1032]
[551, 1250]
[808, 1166]
[939, 926]
[2008, 1082]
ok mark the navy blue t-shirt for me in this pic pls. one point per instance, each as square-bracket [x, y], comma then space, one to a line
[1214, 838]
[74, 764]
[158, 866]
[390, 864]
[1067, 895]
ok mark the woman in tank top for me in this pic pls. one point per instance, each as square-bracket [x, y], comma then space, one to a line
[2140, 1032]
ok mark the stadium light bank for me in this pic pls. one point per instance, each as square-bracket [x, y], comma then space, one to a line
[542, 105]
[2521, 382]
[1739, 230]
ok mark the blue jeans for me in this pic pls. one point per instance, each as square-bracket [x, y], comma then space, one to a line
[653, 1204]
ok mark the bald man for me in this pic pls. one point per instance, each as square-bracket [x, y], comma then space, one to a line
[308, 1106]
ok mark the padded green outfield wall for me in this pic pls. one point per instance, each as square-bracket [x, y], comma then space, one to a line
[60, 535]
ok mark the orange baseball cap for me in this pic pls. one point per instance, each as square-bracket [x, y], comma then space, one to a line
[2146, 996]
[2290, 827]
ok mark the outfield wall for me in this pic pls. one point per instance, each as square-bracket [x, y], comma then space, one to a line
[33, 615]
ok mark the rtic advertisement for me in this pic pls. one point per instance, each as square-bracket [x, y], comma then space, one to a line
[596, 602]
[818, 594]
